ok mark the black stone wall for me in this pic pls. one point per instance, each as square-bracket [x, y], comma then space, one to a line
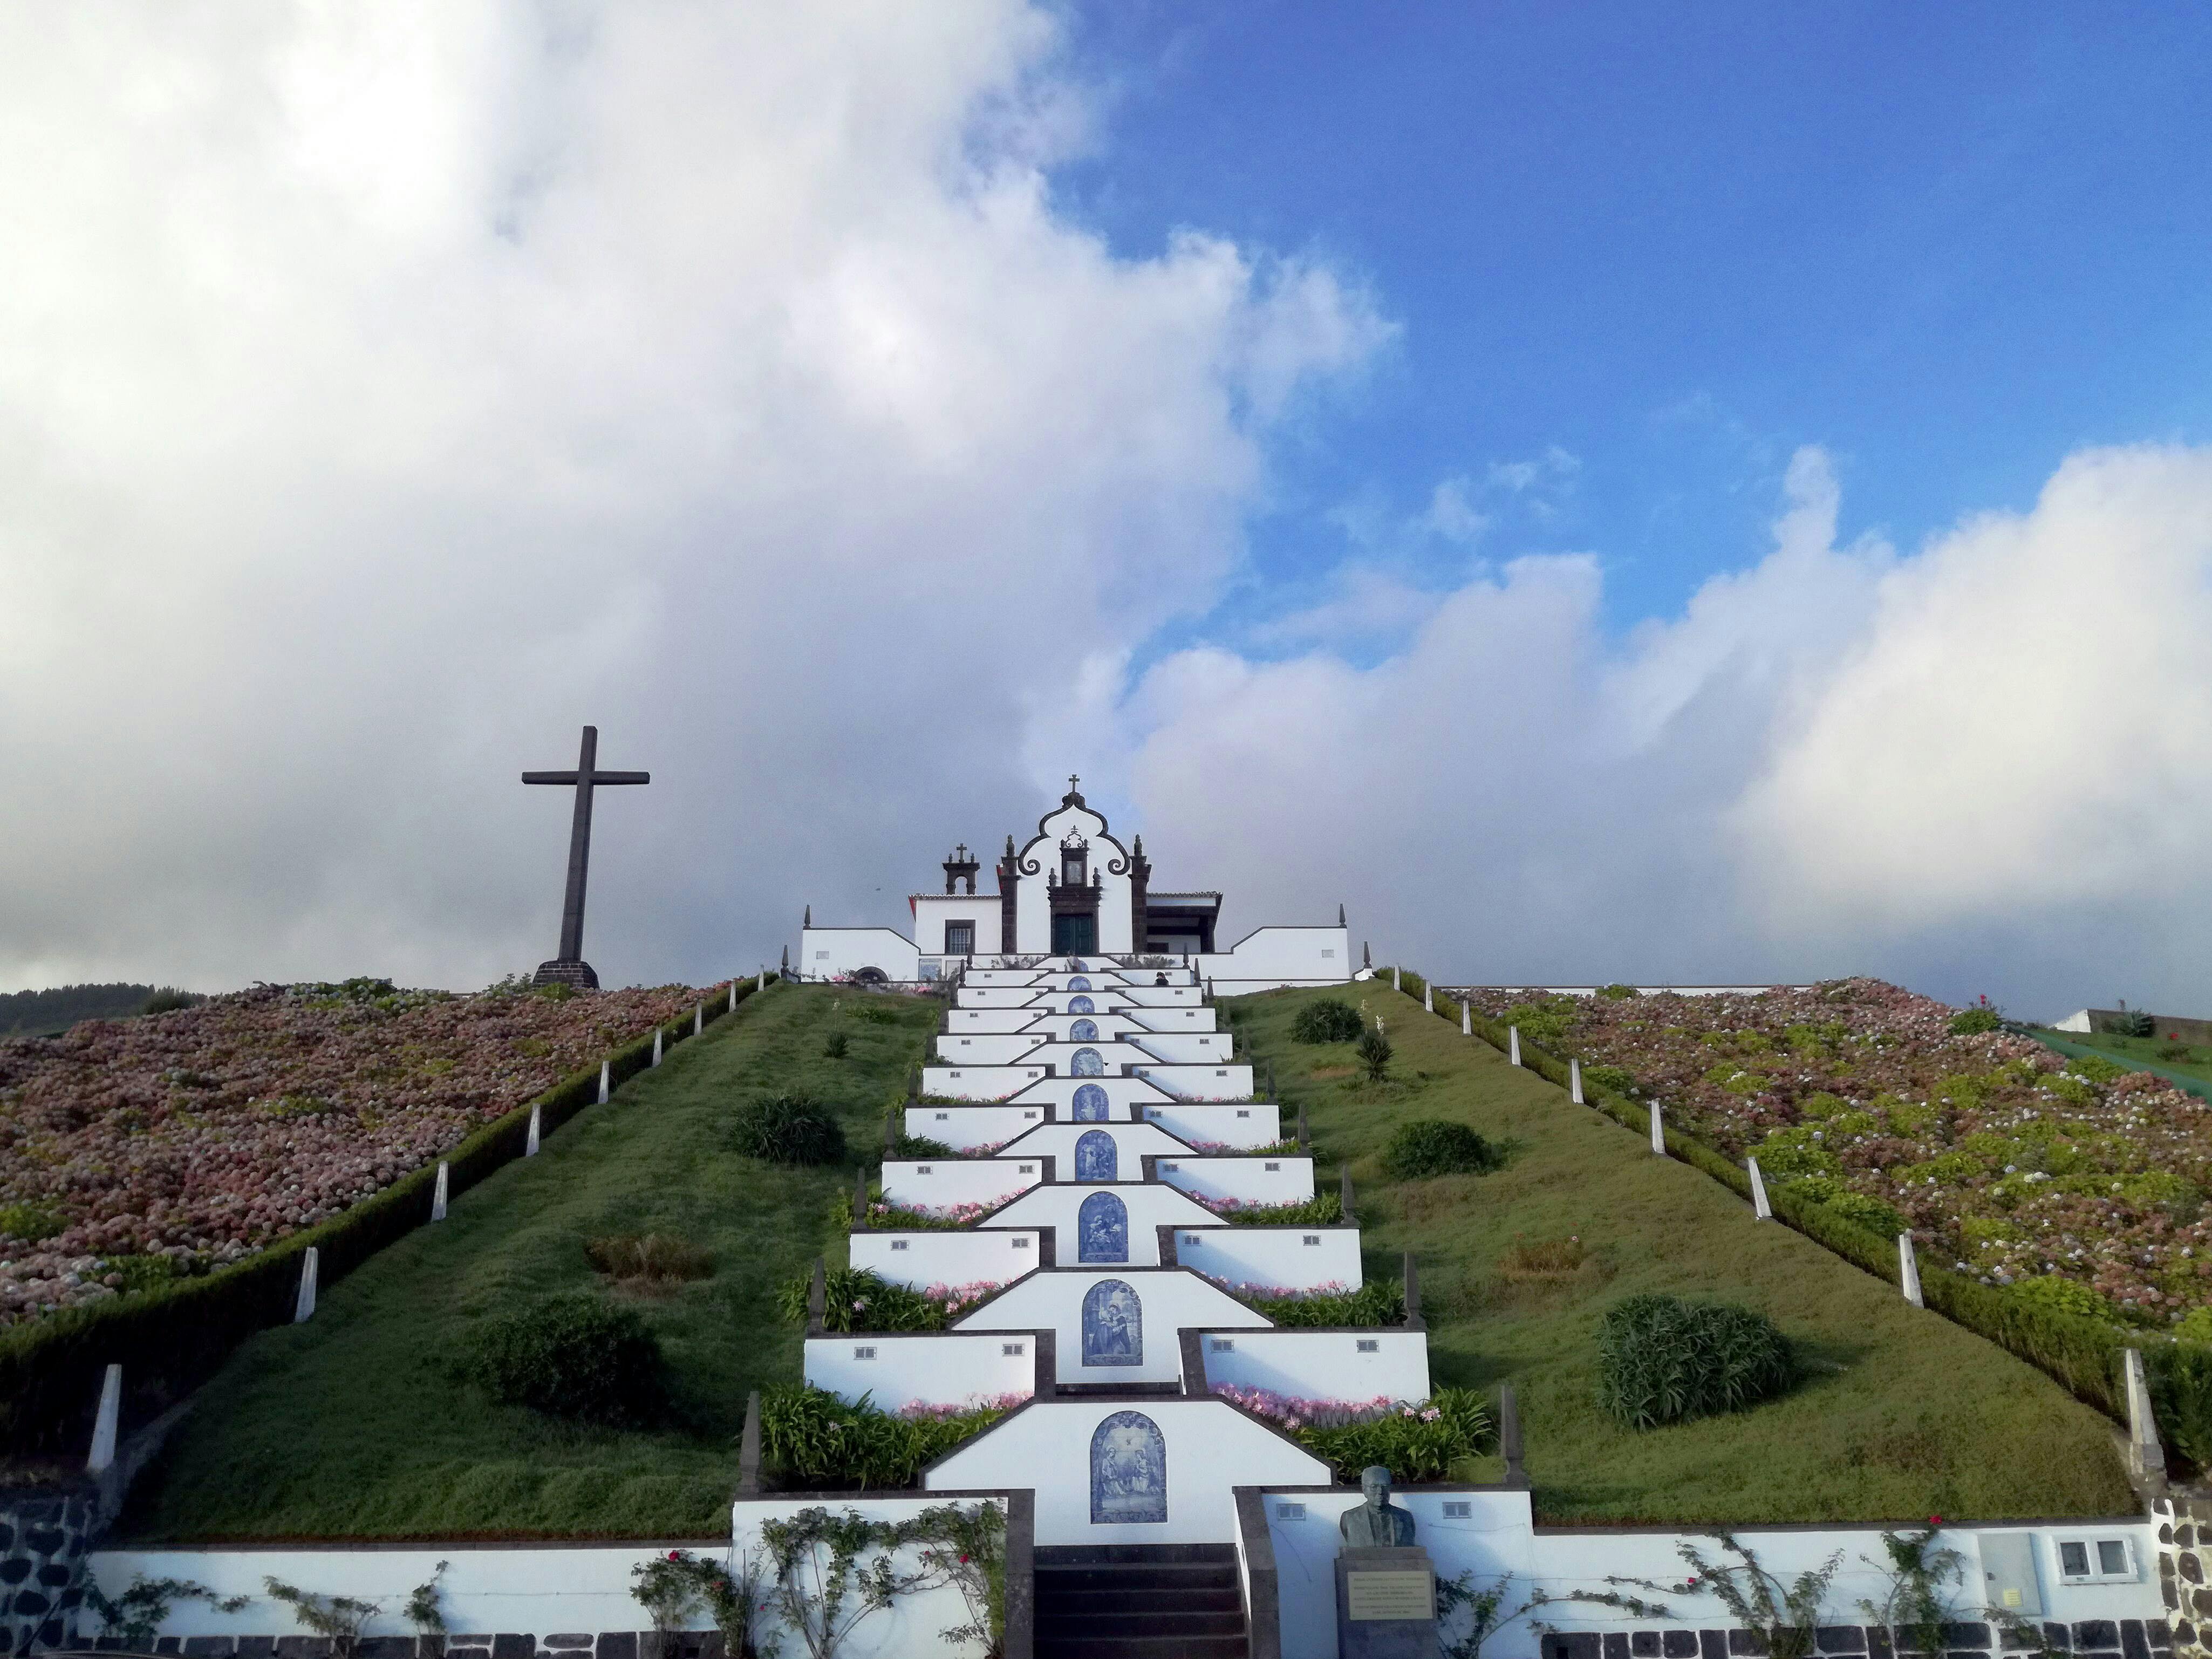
[560, 1644]
[43, 1536]
[2091, 1638]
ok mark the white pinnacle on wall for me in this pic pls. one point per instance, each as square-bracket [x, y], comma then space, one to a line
[1575, 1081]
[1658, 1133]
[1394, 981]
[1513, 1045]
[437, 1198]
[1760, 1209]
[1428, 997]
[733, 996]
[1908, 1270]
[698, 1018]
[311, 1263]
[104, 1425]
[531, 1149]
[656, 1045]
[606, 1080]
[1466, 1019]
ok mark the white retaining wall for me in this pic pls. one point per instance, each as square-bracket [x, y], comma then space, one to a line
[933, 1367]
[1200, 1082]
[1259, 1124]
[1321, 1365]
[911, 1624]
[1293, 1258]
[1496, 1539]
[941, 1182]
[1280, 955]
[1131, 1142]
[1211, 1447]
[828, 952]
[946, 1256]
[964, 1127]
[978, 1082]
[1169, 1301]
[1058, 1205]
[1285, 1180]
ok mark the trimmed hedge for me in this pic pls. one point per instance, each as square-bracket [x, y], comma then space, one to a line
[2081, 1355]
[171, 1339]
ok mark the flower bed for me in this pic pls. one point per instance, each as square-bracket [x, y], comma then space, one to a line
[1323, 1210]
[856, 1300]
[131, 1151]
[1378, 1302]
[2076, 1183]
[1415, 1440]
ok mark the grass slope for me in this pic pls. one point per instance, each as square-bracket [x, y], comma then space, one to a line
[353, 1425]
[1901, 1415]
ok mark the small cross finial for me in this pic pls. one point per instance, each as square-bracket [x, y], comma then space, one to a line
[1072, 781]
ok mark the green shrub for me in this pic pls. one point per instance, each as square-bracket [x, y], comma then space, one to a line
[1617, 1078]
[858, 1300]
[873, 1013]
[1435, 1147]
[789, 1129]
[166, 999]
[652, 1260]
[812, 1437]
[1618, 992]
[1377, 1302]
[2062, 1295]
[2135, 1023]
[141, 1273]
[1414, 1442]
[836, 1046]
[575, 1355]
[1375, 1055]
[903, 1146]
[30, 1221]
[1868, 1213]
[1662, 1359]
[1321, 1210]
[1330, 1020]
[1973, 1022]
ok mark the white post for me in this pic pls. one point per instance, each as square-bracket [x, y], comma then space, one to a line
[1760, 1209]
[437, 1198]
[1908, 1270]
[733, 996]
[1513, 1045]
[1428, 997]
[1658, 1132]
[606, 1081]
[531, 1151]
[762, 983]
[310, 1263]
[698, 1018]
[1575, 1080]
[1394, 981]
[656, 1045]
[2146, 1456]
[104, 1425]
[1466, 1020]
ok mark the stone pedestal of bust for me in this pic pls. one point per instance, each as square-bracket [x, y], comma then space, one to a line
[1386, 1586]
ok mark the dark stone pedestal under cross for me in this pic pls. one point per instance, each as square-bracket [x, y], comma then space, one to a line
[569, 967]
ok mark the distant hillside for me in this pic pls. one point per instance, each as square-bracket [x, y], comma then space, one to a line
[42, 1013]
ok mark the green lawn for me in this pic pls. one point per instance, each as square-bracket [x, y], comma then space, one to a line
[354, 1424]
[1901, 1414]
[2193, 1064]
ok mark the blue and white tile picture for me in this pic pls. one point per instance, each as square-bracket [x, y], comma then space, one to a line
[1128, 1470]
[1096, 1157]
[1084, 1030]
[1112, 1325]
[1078, 983]
[1091, 1103]
[1081, 1005]
[1088, 1062]
[1102, 1229]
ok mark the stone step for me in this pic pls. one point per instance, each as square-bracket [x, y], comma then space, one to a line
[1135, 1580]
[1140, 1622]
[1141, 1647]
[1195, 1598]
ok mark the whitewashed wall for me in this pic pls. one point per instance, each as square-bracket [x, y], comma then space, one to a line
[949, 1257]
[942, 1182]
[1132, 1142]
[1498, 1539]
[1120, 1093]
[911, 1624]
[1285, 1180]
[978, 1082]
[897, 1369]
[1186, 1048]
[488, 1588]
[965, 1021]
[1169, 1301]
[1259, 1124]
[1175, 1019]
[963, 1126]
[932, 910]
[1295, 1258]
[1200, 1082]
[1058, 1205]
[1280, 955]
[1322, 1364]
[826, 952]
[985, 1048]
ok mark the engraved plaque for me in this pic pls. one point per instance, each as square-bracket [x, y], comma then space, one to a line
[1389, 1595]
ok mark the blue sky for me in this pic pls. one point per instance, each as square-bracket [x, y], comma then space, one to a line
[1951, 244]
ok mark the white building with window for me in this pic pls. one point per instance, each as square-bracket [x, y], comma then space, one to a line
[1072, 889]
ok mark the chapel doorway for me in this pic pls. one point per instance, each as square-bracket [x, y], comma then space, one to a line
[1074, 936]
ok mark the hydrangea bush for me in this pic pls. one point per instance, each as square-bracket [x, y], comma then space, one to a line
[132, 1150]
[2076, 1183]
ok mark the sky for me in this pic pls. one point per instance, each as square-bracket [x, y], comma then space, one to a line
[1600, 492]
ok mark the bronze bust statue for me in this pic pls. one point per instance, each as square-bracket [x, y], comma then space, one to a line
[1377, 1523]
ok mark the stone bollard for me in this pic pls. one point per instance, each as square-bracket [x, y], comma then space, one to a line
[105, 1424]
[1513, 1045]
[536, 1130]
[656, 1045]
[444, 1188]
[1908, 1270]
[1658, 1133]
[1343, 1195]
[698, 1018]
[1466, 1020]
[606, 1081]
[303, 1308]
[1760, 1209]
[1575, 1081]
[749, 1450]
[1413, 1320]
[1508, 1436]
[1306, 1144]
[2146, 1455]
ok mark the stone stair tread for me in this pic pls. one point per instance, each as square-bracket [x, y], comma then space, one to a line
[1142, 1622]
[1192, 1598]
[1144, 1647]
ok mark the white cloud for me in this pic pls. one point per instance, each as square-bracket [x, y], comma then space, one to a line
[383, 394]
[1976, 767]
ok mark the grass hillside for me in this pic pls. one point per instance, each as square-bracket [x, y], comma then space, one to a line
[357, 1424]
[1899, 1415]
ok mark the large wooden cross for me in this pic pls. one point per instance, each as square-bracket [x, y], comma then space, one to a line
[584, 779]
